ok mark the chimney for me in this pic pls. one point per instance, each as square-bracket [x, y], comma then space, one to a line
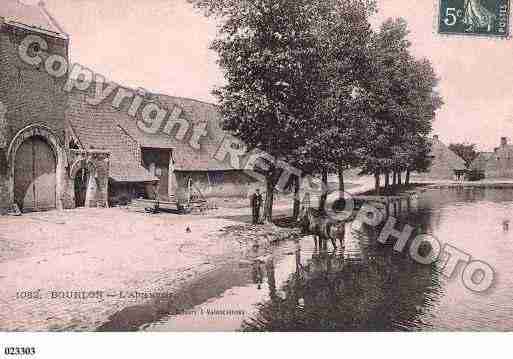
[504, 141]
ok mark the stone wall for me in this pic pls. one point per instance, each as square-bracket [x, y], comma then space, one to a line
[215, 184]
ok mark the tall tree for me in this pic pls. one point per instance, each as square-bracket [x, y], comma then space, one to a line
[284, 61]
[343, 39]
[401, 101]
[267, 50]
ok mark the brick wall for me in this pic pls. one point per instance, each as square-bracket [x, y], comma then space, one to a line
[4, 190]
[30, 95]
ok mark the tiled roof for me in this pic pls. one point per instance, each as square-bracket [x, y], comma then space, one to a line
[105, 127]
[442, 153]
[35, 16]
[147, 140]
[187, 158]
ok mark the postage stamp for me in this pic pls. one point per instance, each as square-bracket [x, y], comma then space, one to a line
[474, 17]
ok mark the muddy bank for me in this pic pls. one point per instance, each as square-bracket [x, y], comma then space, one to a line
[256, 242]
[113, 252]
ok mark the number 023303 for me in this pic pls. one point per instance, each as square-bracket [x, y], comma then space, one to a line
[19, 351]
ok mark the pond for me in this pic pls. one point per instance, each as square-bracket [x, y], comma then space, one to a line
[366, 286]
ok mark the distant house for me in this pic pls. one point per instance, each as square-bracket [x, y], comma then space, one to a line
[497, 164]
[444, 162]
[479, 163]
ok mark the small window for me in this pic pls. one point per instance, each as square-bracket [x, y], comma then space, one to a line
[216, 178]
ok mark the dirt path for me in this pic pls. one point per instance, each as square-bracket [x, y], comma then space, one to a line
[72, 270]
[106, 255]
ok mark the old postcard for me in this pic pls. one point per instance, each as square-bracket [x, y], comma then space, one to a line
[255, 166]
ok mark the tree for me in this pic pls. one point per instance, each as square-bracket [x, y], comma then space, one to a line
[343, 39]
[285, 62]
[467, 151]
[268, 52]
[400, 100]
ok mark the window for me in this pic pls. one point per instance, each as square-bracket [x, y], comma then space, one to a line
[216, 178]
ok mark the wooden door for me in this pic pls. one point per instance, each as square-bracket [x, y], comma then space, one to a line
[35, 176]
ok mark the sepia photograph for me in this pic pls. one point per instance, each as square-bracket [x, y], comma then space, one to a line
[228, 166]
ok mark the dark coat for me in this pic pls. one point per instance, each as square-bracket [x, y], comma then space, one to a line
[256, 200]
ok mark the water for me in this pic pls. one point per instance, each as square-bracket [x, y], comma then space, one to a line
[365, 286]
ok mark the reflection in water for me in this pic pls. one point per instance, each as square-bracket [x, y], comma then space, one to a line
[367, 286]
[335, 292]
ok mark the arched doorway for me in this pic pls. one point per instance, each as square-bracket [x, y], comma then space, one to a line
[36, 174]
[35, 166]
[81, 184]
[83, 173]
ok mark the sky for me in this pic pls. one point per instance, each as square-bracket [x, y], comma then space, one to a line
[163, 46]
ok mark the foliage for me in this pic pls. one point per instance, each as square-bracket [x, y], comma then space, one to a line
[310, 83]
[400, 101]
[467, 151]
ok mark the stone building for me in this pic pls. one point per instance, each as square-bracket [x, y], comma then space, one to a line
[479, 163]
[38, 171]
[444, 162]
[497, 164]
[165, 160]
[59, 149]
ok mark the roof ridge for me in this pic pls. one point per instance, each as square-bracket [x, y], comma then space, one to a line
[32, 17]
[135, 88]
[186, 98]
[42, 7]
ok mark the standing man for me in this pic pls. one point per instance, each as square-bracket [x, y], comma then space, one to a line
[256, 203]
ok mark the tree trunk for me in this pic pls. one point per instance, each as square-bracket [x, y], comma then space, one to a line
[269, 200]
[387, 181]
[400, 178]
[394, 183]
[407, 180]
[297, 200]
[377, 183]
[324, 195]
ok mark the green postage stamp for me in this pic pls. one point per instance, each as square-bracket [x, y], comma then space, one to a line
[474, 17]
